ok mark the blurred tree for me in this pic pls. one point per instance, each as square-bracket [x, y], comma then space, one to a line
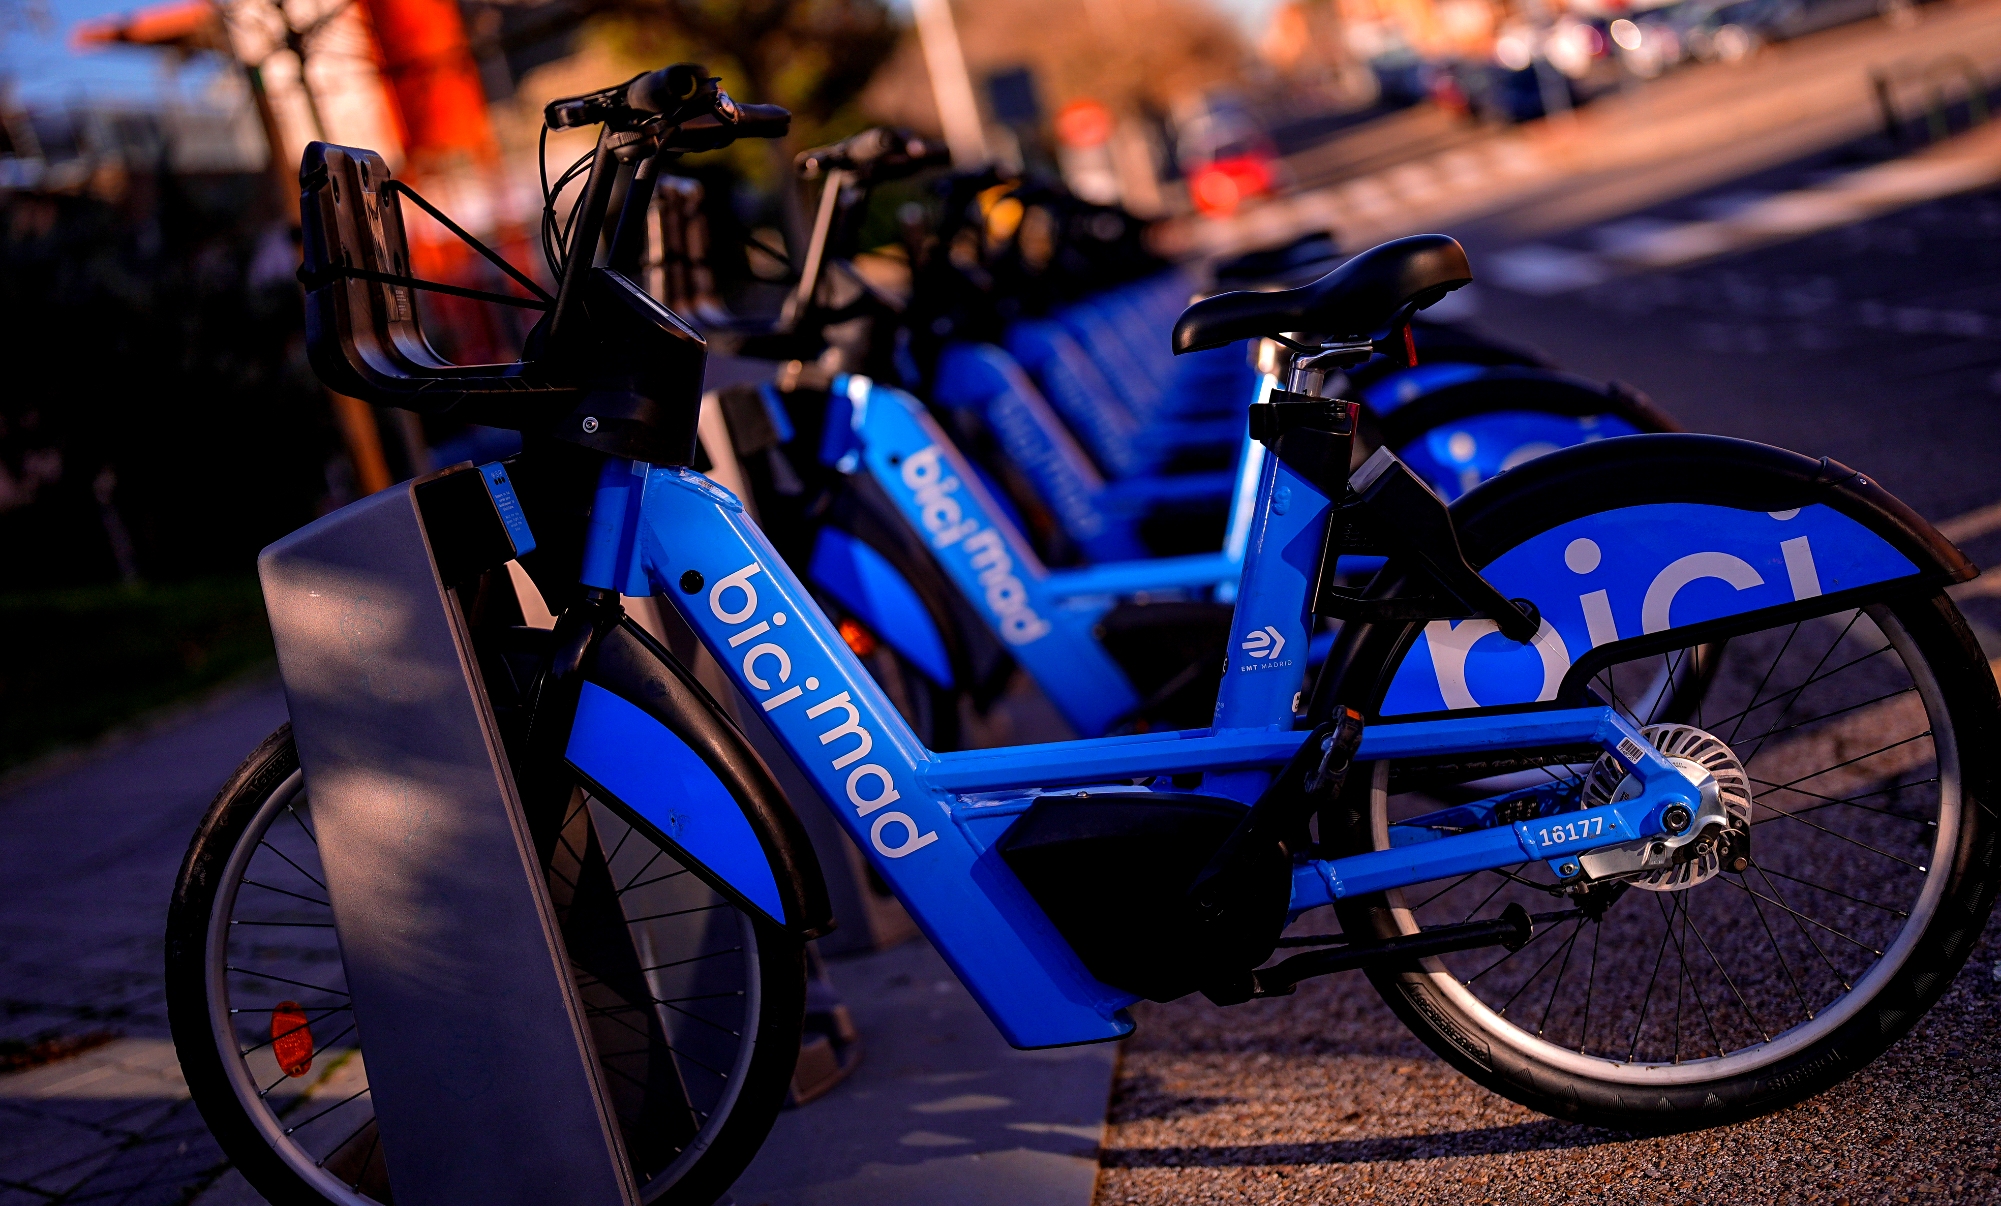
[1133, 56]
[812, 56]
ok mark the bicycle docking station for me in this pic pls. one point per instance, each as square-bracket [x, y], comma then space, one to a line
[484, 1083]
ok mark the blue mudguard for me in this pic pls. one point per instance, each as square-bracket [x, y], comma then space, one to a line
[642, 765]
[865, 583]
[1631, 572]
[653, 744]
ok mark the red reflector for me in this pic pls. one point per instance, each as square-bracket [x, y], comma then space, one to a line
[291, 1041]
[1409, 346]
[858, 638]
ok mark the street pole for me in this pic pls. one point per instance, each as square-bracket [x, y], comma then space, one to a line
[951, 87]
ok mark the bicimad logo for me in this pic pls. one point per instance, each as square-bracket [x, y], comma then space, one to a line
[767, 669]
[986, 551]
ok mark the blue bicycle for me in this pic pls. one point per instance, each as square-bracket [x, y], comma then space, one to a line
[1609, 915]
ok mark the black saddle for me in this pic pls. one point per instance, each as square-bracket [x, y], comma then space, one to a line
[1364, 295]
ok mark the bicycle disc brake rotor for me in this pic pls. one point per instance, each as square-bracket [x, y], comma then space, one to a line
[1721, 828]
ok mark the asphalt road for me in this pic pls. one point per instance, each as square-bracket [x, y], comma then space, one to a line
[1879, 345]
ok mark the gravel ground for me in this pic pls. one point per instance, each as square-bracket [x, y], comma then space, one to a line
[1325, 1097]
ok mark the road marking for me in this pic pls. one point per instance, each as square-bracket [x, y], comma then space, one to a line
[1972, 525]
[1745, 221]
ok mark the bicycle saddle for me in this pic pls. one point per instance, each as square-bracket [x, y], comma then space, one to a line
[1364, 295]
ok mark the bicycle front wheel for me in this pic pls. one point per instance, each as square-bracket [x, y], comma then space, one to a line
[694, 1007]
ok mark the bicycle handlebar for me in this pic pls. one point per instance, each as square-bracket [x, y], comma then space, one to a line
[880, 153]
[696, 113]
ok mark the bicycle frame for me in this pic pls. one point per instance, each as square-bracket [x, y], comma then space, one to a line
[927, 821]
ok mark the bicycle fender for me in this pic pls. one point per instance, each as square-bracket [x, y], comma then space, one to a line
[652, 742]
[1650, 542]
[865, 583]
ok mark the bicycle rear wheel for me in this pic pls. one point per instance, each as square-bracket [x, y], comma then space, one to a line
[1700, 998]
[695, 1008]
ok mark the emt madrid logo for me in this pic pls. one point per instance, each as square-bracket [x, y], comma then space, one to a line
[983, 549]
[1263, 646]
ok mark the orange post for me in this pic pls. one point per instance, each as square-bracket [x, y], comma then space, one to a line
[426, 59]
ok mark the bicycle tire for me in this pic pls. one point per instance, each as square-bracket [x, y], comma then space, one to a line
[1459, 1018]
[254, 1133]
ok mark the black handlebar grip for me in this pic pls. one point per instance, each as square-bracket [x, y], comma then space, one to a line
[883, 151]
[661, 91]
[928, 153]
[762, 121]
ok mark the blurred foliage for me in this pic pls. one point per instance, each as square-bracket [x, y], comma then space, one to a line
[812, 56]
[159, 420]
[86, 659]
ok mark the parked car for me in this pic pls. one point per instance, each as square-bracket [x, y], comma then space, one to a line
[1226, 155]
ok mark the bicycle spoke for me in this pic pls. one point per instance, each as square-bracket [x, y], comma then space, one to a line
[251, 883]
[333, 992]
[1765, 736]
[1827, 801]
[310, 1056]
[1831, 892]
[1779, 953]
[1569, 945]
[1732, 984]
[1506, 877]
[1533, 939]
[1853, 619]
[644, 867]
[1778, 898]
[323, 1113]
[1760, 688]
[1597, 936]
[1659, 955]
[296, 867]
[1767, 804]
[1531, 977]
[691, 959]
[658, 879]
[722, 904]
[609, 859]
[1810, 921]
[337, 1148]
[312, 837]
[374, 1141]
[1813, 676]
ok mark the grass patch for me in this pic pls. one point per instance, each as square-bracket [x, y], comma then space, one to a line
[82, 661]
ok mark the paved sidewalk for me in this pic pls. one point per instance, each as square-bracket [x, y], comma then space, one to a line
[941, 1112]
[89, 853]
